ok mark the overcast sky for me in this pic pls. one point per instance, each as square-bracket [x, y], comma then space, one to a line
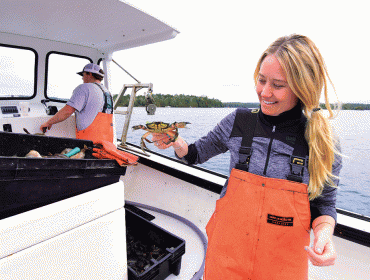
[219, 44]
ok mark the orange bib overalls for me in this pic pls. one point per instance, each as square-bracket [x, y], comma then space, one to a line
[100, 129]
[259, 230]
[102, 126]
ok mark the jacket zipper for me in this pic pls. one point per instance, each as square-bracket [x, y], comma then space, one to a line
[269, 151]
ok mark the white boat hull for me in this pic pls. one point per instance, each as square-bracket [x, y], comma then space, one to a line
[82, 237]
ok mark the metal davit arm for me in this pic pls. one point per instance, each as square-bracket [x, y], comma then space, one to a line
[128, 113]
[135, 88]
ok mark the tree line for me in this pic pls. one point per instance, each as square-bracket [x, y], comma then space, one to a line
[349, 106]
[177, 100]
[241, 104]
[182, 100]
[344, 106]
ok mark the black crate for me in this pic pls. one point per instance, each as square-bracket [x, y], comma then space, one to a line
[163, 249]
[28, 183]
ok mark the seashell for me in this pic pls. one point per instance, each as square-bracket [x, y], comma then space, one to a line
[33, 154]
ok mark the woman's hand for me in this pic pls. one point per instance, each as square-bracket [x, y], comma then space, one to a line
[162, 140]
[322, 252]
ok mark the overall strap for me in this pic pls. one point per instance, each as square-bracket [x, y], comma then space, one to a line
[245, 121]
[108, 101]
[245, 125]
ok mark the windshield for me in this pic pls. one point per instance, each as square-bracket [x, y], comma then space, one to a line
[62, 78]
[18, 73]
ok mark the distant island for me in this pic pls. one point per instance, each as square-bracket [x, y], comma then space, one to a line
[177, 100]
[345, 106]
[192, 101]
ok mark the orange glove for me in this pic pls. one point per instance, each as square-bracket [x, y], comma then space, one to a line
[109, 150]
[98, 153]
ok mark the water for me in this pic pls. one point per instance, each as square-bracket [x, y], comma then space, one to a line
[352, 127]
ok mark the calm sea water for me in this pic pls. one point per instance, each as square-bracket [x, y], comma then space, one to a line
[353, 128]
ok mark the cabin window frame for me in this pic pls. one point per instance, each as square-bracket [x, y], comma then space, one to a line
[47, 71]
[35, 76]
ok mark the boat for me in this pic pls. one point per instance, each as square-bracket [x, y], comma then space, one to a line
[83, 235]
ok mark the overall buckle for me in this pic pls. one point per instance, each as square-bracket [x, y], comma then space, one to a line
[244, 158]
[297, 165]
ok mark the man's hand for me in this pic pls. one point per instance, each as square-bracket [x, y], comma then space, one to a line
[45, 126]
[62, 115]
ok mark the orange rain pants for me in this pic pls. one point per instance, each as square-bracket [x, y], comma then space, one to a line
[259, 230]
[100, 129]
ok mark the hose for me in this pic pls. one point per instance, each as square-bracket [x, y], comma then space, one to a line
[200, 272]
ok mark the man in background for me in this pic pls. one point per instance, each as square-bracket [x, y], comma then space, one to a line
[93, 106]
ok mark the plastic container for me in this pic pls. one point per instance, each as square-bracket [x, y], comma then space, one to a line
[28, 183]
[152, 252]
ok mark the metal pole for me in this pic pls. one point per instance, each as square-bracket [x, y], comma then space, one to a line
[128, 116]
[126, 71]
[122, 93]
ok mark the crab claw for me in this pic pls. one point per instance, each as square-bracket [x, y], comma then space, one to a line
[181, 124]
[136, 127]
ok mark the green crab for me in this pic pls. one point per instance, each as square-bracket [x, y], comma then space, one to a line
[159, 127]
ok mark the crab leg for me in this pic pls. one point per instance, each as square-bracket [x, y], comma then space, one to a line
[143, 146]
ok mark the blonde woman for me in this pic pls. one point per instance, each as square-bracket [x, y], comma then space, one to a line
[284, 170]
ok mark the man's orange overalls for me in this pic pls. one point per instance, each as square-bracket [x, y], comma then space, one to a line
[102, 126]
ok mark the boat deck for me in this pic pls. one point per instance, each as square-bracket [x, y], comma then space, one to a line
[352, 262]
[194, 253]
[147, 185]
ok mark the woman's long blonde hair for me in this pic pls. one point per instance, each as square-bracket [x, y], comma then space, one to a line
[307, 76]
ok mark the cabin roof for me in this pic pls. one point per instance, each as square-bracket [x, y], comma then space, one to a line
[108, 25]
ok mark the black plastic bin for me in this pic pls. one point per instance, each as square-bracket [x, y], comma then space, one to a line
[152, 252]
[29, 183]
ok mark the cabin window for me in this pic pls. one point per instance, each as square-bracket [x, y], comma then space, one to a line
[62, 76]
[18, 72]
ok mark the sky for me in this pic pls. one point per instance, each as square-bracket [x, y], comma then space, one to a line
[220, 42]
